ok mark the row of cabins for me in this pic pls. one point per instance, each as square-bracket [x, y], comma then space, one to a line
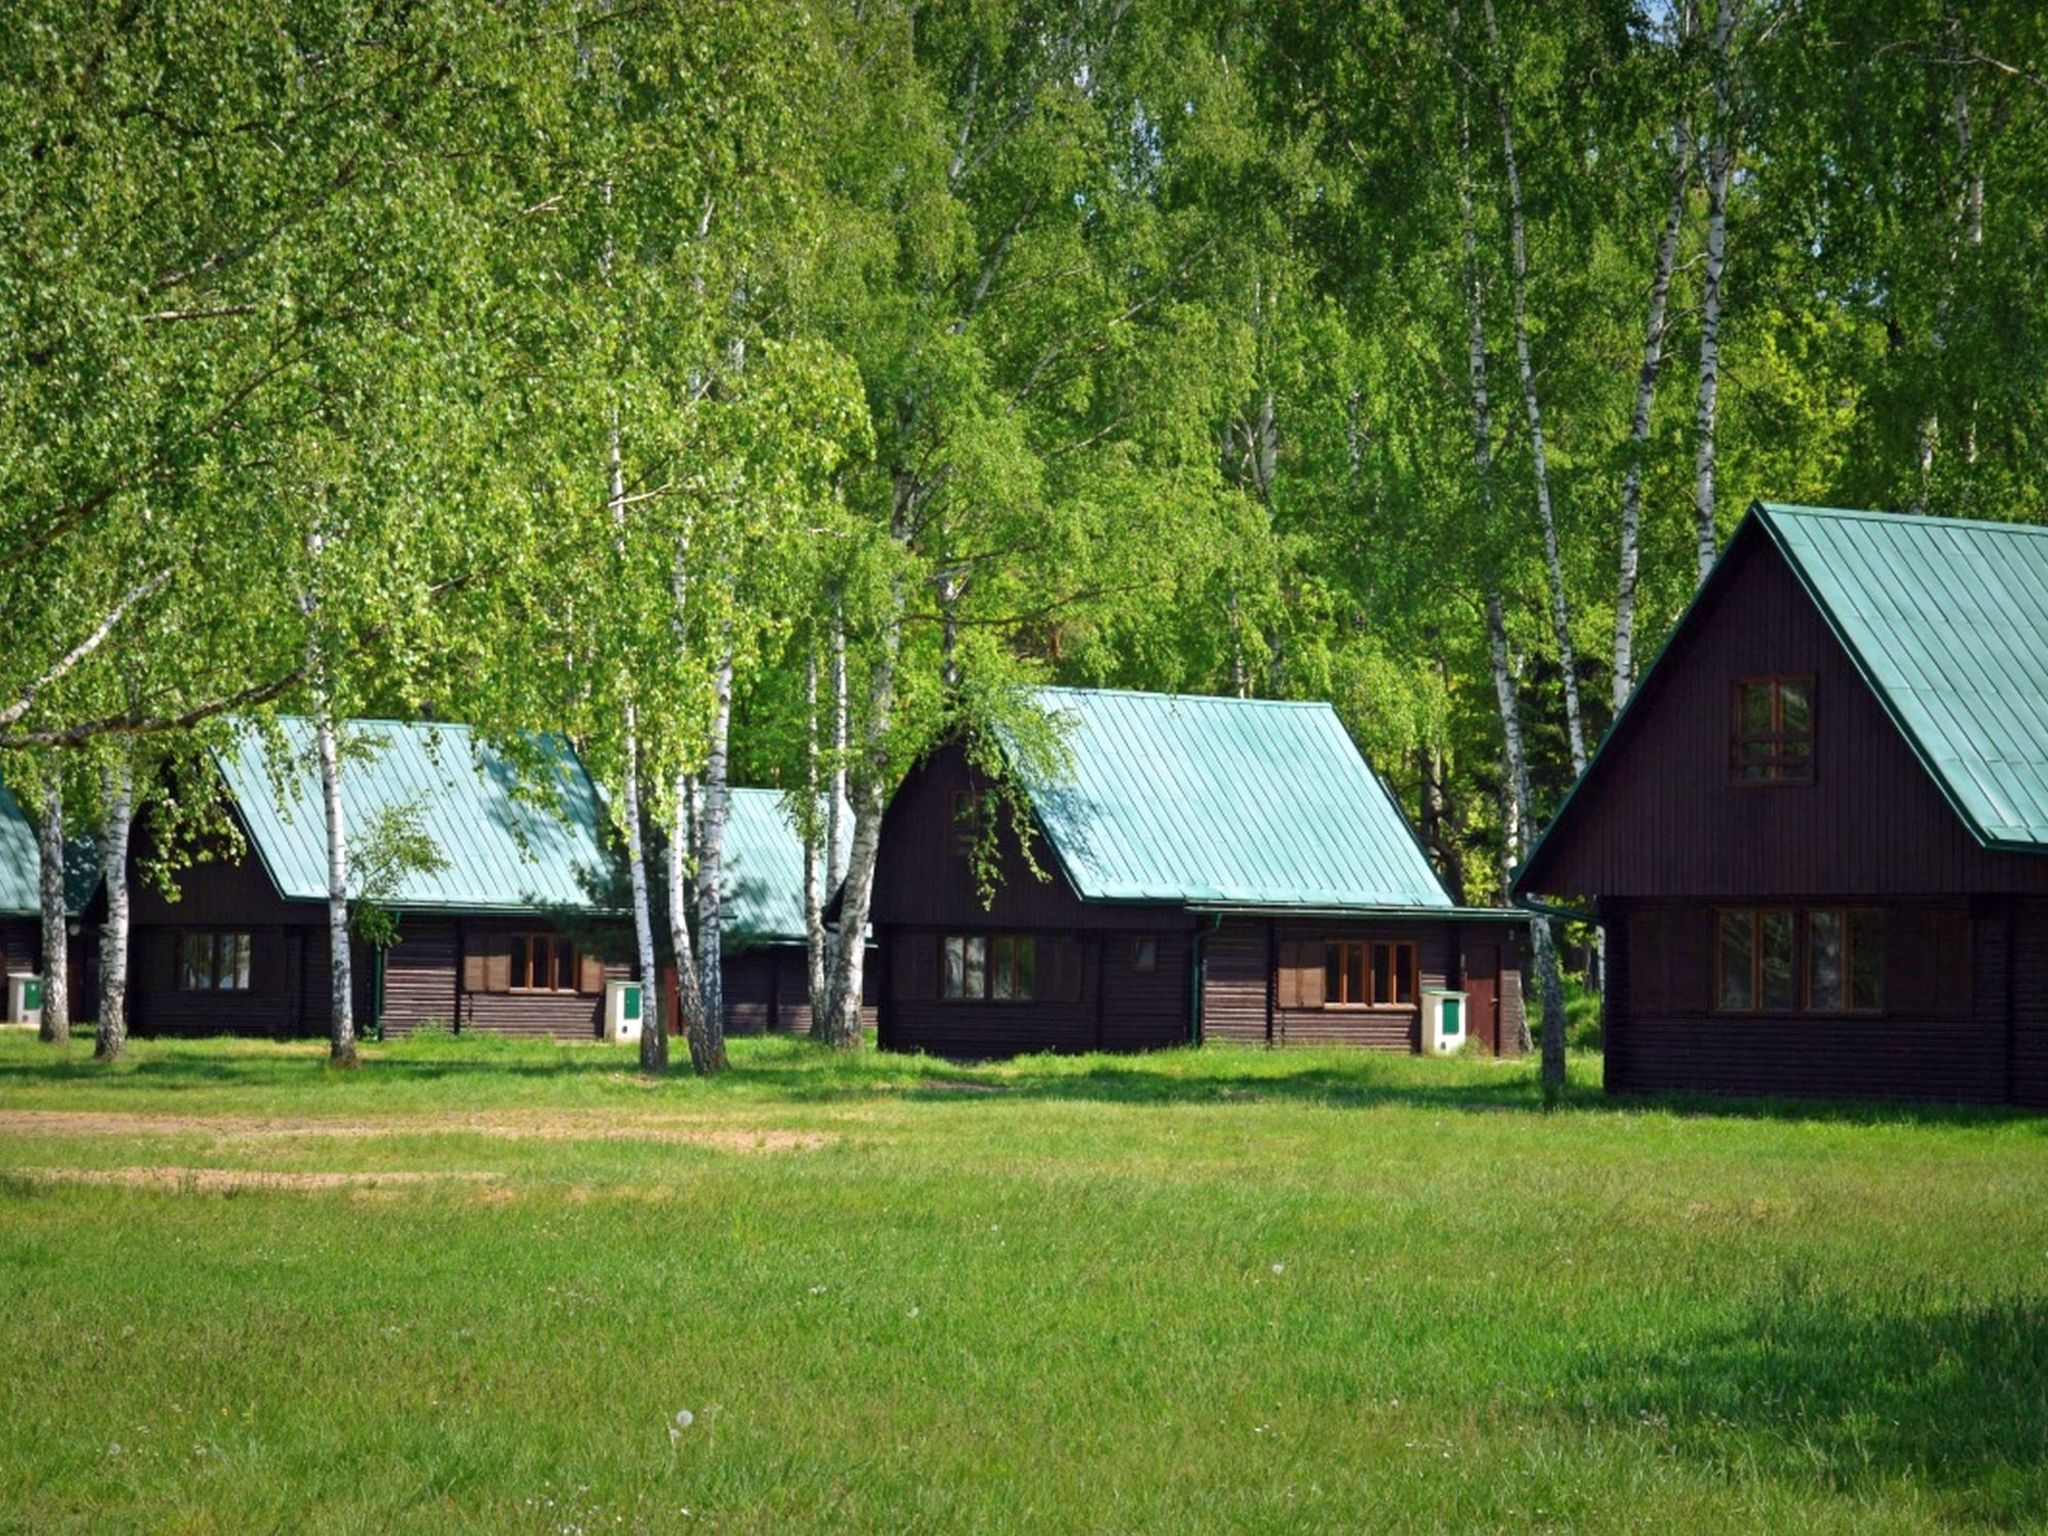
[1201, 868]
[1813, 839]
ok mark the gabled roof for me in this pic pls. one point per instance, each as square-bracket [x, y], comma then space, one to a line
[503, 849]
[21, 864]
[1225, 802]
[1947, 620]
[763, 892]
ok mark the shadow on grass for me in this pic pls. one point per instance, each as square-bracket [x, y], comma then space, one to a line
[1857, 1395]
[797, 1071]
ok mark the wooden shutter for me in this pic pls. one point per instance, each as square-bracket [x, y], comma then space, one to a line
[1955, 964]
[1070, 959]
[1308, 973]
[1287, 981]
[1647, 965]
[589, 973]
[917, 978]
[1914, 987]
[1689, 960]
[497, 958]
[473, 979]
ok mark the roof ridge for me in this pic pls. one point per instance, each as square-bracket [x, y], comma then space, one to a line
[1879, 515]
[1234, 700]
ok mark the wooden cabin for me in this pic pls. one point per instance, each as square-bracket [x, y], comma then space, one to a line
[1815, 836]
[765, 965]
[21, 923]
[508, 937]
[1212, 868]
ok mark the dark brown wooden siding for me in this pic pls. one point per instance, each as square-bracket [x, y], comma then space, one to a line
[2027, 964]
[21, 943]
[420, 976]
[1657, 816]
[1941, 1035]
[1078, 973]
[920, 882]
[1237, 981]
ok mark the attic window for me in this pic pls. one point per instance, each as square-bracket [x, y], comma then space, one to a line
[970, 817]
[1771, 740]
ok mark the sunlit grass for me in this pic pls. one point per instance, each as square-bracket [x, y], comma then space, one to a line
[1201, 1290]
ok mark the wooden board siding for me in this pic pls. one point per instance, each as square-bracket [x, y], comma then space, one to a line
[420, 976]
[2027, 968]
[1945, 1040]
[1657, 816]
[544, 1015]
[1144, 1010]
[21, 943]
[749, 979]
[273, 1007]
[1237, 981]
[1067, 1016]
[1375, 1028]
[920, 882]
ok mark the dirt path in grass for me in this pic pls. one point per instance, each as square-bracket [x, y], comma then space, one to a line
[226, 1180]
[549, 1125]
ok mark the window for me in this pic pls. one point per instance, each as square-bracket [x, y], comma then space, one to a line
[1772, 738]
[1001, 969]
[213, 962]
[1844, 961]
[1753, 965]
[1145, 955]
[1360, 973]
[1758, 969]
[970, 818]
[543, 962]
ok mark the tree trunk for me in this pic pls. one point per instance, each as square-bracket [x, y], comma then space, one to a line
[1560, 604]
[1639, 429]
[838, 811]
[56, 1026]
[341, 1035]
[707, 1027]
[681, 896]
[1720, 165]
[653, 1028]
[815, 833]
[116, 819]
[1543, 951]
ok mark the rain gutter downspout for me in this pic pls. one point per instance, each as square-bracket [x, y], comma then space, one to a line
[1554, 909]
[1195, 978]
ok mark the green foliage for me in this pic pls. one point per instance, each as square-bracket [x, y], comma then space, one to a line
[391, 846]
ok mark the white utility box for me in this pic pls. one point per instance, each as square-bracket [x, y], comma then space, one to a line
[1443, 1021]
[622, 1000]
[24, 998]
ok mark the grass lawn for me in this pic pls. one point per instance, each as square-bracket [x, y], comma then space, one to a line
[471, 1286]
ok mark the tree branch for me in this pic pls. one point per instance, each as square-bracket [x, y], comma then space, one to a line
[85, 647]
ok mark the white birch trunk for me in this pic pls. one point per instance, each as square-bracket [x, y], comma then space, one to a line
[816, 831]
[1544, 952]
[1539, 459]
[341, 1018]
[653, 1028]
[838, 811]
[1720, 165]
[681, 895]
[1639, 430]
[707, 1029]
[56, 1026]
[117, 817]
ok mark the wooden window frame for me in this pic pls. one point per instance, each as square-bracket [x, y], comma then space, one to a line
[1399, 951]
[1842, 915]
[997, 949]
[967, 819]
[1801, 920]
[553, 946]
[1777, 766]
[1756, 916]
[216, 939]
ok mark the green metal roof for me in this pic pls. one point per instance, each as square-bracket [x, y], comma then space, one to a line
[1225, 802]
[1947, 620]
[504, 851]
[763, 895]
[21, 864]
